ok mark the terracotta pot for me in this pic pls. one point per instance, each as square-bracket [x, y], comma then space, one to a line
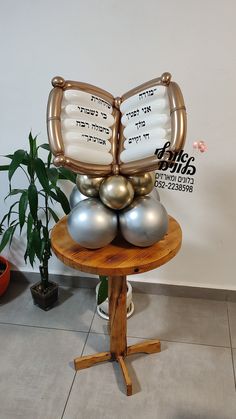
[4, 275]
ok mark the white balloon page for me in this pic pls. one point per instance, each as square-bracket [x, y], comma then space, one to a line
[86, 122]
[147, 123]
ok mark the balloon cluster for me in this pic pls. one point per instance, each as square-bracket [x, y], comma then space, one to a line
[102, 205]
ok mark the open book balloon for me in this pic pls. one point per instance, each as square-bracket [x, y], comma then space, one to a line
[111, 143]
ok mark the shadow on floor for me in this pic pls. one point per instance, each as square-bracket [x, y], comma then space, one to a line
[14, 290]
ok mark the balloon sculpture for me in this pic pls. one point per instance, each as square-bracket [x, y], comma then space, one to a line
[110, 143]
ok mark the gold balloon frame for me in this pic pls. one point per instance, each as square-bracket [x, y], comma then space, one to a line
[54, 109]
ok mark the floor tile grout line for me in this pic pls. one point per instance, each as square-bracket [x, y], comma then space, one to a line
[232, 355]
[107, 334]
[167, 340]
[187, 343]
[88, 333]
[44, 327]
[68, 396]
[67, 399]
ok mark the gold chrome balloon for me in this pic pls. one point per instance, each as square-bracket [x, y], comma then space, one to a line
[89, 185]
[116, 192]
[143, 184]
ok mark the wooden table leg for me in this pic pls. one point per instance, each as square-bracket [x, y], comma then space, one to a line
[148, 347]
[88, 360]
[117, 290]
[126, 376]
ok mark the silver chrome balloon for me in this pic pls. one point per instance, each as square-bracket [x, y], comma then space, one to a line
[155, 194]
[116, 192]
[91, 224]
[89, 185]
[75, 197]
[143, 184]
[144, 222]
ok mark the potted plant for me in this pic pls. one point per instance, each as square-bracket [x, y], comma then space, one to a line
[102, 298]
[4, 275]
[4, 271]
[32, 210]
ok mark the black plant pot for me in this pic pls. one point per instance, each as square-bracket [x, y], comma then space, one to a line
[45, 299]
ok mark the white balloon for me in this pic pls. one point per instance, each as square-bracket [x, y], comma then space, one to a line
[158, 121]
[141, 151]
[89, 114]
[89, 141]
[146, 138]
[143, 97]
[80, 125]
[147, 109]
[79, 97]
[88, 156]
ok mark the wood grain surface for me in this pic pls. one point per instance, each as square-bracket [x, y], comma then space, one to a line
[119, 257]
[117, 290]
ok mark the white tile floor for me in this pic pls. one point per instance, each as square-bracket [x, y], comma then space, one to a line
[192, 378]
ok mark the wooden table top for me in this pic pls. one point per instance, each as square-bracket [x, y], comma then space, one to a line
[119, 257]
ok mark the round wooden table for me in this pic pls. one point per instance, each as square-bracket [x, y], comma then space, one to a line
[116, 260]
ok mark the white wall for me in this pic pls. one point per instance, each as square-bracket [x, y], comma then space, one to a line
[117, 45]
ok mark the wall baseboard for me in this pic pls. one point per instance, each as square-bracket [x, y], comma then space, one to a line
[185, 291]
[139, 287]
[63, 280]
